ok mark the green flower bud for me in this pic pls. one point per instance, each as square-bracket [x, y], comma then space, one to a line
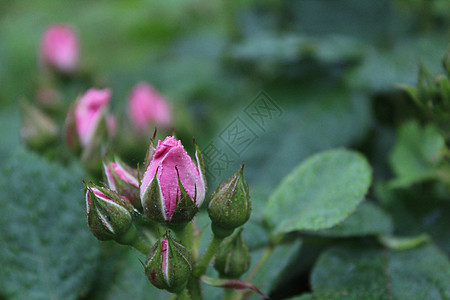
[230, 205]
[109, 216]
[38, 130]
[233, 258]
[169, 265]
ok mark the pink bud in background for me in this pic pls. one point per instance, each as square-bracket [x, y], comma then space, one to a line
[60, 48]
[173, 167]
[147, 107]
[111, 124]
[124, 180]
[89, 111]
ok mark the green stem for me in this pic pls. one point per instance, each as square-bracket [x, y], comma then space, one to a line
[142, 247]
[203, 264]
[230, 294]
[185, 235]
[276, 240]
[194, 288]
[264, 257]
[132, 238]
[184, 295]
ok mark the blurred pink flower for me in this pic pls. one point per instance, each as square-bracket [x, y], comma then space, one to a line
[89, 110]
[111, 124]
[146, 107]
[60, 48]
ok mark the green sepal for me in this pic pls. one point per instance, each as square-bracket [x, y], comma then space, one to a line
[107, 219]
[186, 207]
[152, 201]
[179, 266]
[200, 163]
[153, 267]
[233, 258]
[149, 154]
[230, 205]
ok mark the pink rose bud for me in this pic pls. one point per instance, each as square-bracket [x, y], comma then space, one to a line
[90, 110]
[111, 125]
[168, 265]
[123, 180]
[60, 48]
[109, 215]
[173, 187]
[147, 107]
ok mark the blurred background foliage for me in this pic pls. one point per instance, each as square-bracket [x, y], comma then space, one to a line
[332, 66]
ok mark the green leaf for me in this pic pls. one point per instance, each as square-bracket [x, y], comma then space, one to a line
[320, 193]
[416, 154]
[47, 250]
[368, 219]
[363, 272]
[384, 67]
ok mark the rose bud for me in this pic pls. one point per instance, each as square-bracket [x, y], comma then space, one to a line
[123, 180]
[173, 187]
[111, 125]
[38, 130]
[230, 205]
[60, 48]
[86, 123]
[168, 265]
[147, 107]
[109, 215]
[233, 258]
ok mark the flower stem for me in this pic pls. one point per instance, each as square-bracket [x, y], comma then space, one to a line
[270, 247]
[264, 257]
[230, 294]
[185, 235]
[132, 238]
[194, 288]
[203, 264]
[139, 245]
[184, 295]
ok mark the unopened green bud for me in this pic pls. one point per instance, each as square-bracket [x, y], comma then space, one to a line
[233, 258]
[38, 130]
[168, 265]
[230, 205]
[109, 216]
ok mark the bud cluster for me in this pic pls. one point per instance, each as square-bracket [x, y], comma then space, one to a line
[170, 192]
[432, 95]
[164, 195]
